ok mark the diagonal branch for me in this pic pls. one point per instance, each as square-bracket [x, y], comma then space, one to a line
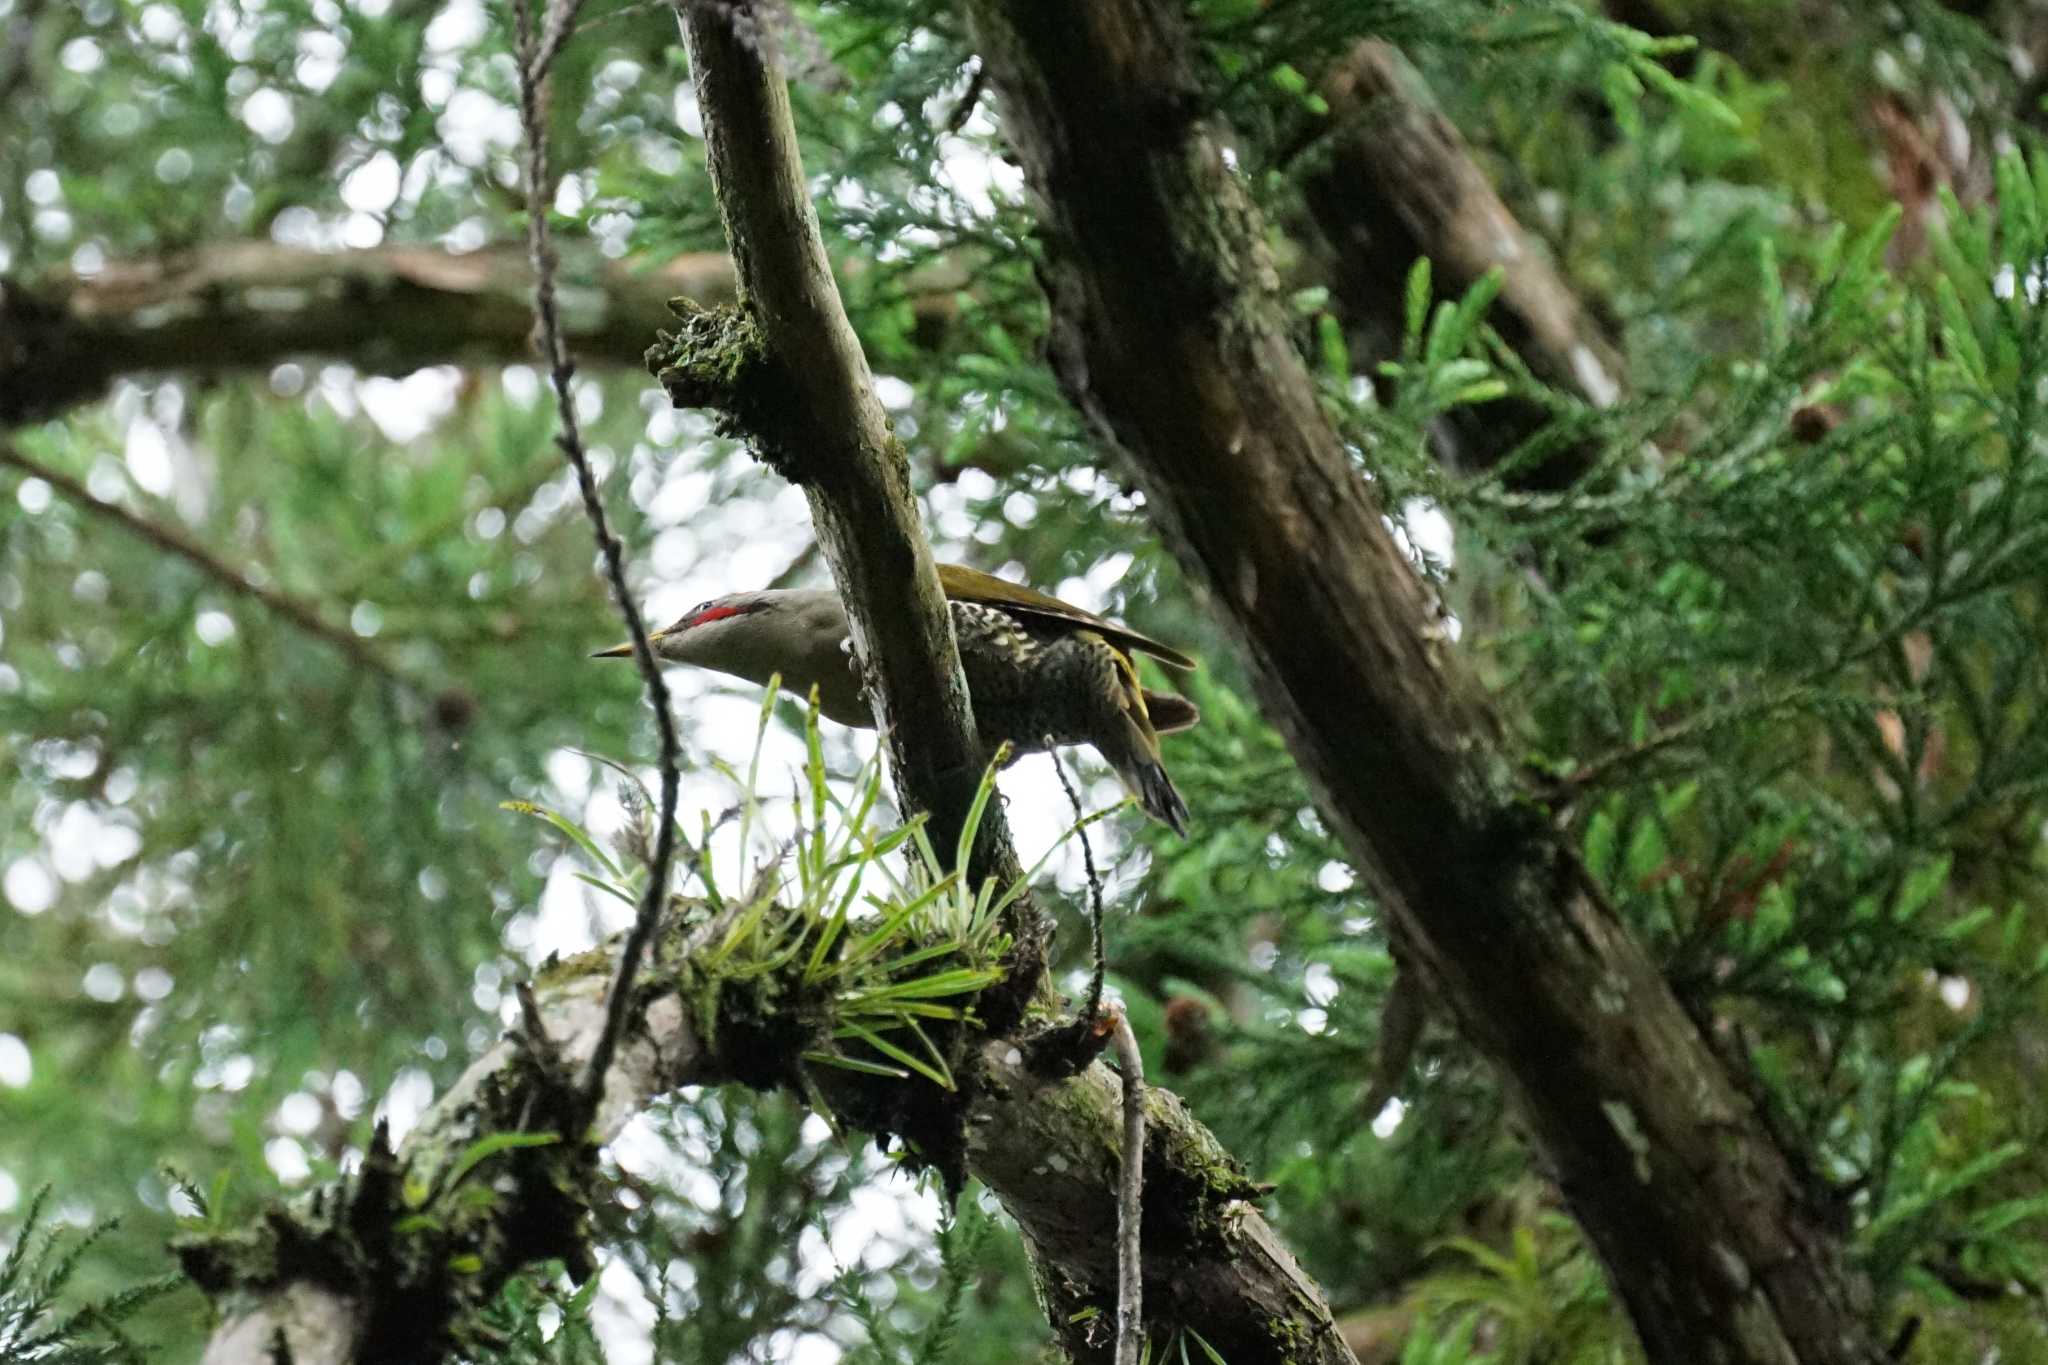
[822, 427]
[1169, 334]
[301, 614]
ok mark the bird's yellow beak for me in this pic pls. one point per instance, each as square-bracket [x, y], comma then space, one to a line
[625, 651]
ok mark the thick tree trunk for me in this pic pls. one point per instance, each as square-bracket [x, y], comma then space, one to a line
[1169, 335]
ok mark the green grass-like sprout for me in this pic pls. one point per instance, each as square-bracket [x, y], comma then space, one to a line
[876, 920]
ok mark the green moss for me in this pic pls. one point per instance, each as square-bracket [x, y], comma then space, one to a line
[559, 971]
[1292, 1335]
[716, 358]
[1195, 1177]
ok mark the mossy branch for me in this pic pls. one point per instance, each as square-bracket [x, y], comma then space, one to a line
[869, 1018]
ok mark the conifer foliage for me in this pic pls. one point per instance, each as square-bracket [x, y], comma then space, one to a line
[1695, 358]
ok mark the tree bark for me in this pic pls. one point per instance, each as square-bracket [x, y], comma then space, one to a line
[1169, 335]
[788, 371]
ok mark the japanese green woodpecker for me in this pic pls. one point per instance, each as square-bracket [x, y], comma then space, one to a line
[1037, 668]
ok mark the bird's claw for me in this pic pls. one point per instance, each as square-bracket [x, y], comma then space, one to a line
[857, 661]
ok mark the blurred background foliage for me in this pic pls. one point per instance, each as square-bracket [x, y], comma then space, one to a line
[1780, 654]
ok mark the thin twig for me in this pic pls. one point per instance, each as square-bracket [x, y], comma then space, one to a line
[969, 98]
[17, 53]
[536, 54]
[1098, 950]
[300, 613]
[557, 24]
[1130, 1195]
[1130, 1277]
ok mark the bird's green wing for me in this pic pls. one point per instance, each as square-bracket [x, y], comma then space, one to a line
[972, 585]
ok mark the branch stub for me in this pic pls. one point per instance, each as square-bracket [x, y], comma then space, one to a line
[716, 358]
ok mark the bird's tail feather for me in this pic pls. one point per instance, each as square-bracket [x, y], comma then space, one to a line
[1139, 765]
[1169, 712]
[1144, 776]
[1156, 793]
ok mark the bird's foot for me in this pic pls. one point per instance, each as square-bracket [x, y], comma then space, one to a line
[863, 674]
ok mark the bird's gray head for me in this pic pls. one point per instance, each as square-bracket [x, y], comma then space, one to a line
[751, 635]
[697, 635]
[715, 632]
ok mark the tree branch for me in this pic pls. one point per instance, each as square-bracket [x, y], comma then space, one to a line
[1388, 180]
[358, 1271]
[818, 423]
[241, 306]
[251, 305]
[1168, 333]
[301, 614]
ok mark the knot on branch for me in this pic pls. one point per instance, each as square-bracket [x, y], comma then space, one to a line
[717, 358]
[1057, 1051]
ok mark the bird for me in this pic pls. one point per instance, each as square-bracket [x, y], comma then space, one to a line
[1037, 668]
